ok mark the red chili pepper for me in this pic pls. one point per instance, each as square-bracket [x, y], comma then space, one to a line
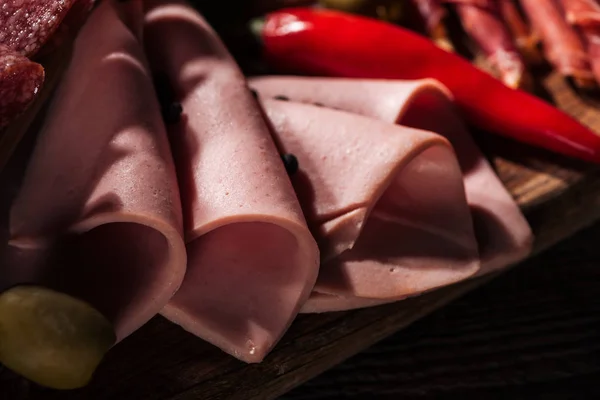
[313, 41]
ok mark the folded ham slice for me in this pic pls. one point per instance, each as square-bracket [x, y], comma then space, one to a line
[503, 234]
[252, 260]
[386, 203]
[98, 216]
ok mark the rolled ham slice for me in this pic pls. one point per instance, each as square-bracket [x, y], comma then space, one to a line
[482, 21]
[584, 15]
[98, 215]
[563, 46]
[386, 203]
[503, 235]
[252, 259]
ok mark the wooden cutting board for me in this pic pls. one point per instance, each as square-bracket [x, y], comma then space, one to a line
[161, 361]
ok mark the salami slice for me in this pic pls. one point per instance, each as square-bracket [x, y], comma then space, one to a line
[20, 81]
[26, 25]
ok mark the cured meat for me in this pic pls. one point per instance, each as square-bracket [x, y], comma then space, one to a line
[25, 27]
[482, 20]
[503, 235]
[563, 46]
[252, 260]
[585, 16]
[526, 39]
[366, 190]
[433, 14]
[98, 216]
[382, 232]
[20, 81]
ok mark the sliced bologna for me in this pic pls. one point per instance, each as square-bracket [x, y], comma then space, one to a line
[386, 203]
[20, 81]
[98, 216]
[503, 235]
[252, 260]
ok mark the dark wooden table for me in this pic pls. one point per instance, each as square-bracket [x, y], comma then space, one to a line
[533, 333]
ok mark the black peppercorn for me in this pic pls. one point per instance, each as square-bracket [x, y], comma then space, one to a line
[172, 113]
[281, 98]
[291, 163]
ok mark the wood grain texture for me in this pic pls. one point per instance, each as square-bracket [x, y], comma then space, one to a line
[533, 333]
[161, 361]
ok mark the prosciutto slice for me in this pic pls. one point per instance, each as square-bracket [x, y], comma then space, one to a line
[526, 39]
[584, 15]
[482, 21]
[98, 215]
[563, 46]
[503, 235]
[252, 260]
[366, 189]
[433, 14]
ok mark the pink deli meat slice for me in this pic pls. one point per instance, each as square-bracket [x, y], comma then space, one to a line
[563, 46]
[482, 20]
[503, 234]
[98, 215]
[252, 259]
[584, 15]
[386, 203]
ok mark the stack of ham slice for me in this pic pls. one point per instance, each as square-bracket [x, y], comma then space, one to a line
[392, 198]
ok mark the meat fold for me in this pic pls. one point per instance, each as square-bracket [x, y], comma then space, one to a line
[433, 14]
[503, 235]
[482, 21]
[386, 203]
[584, 15]
[526, 40]
[252, 260]
[98, 214]
[563, 46]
